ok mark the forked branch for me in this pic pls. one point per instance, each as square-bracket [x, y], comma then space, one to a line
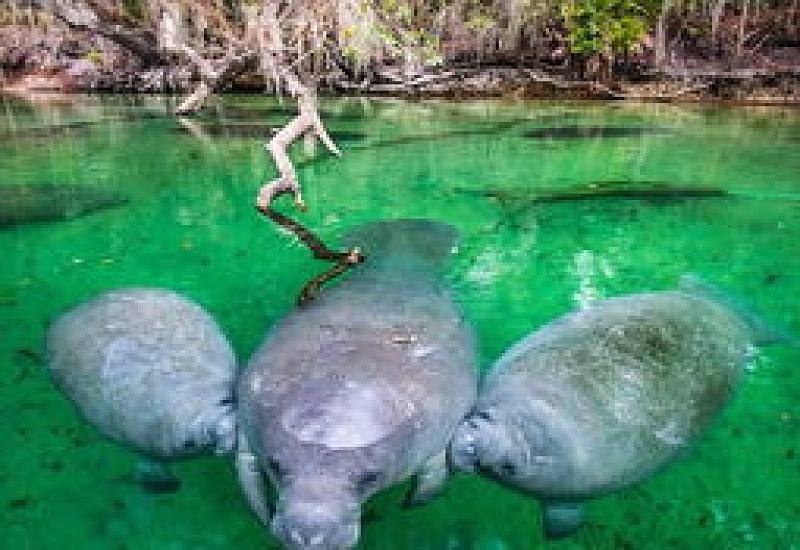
[306, 121]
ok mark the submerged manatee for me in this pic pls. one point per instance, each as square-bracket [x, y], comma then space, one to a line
[21, 204]
[601, 398]
[358, 390]
[151, 370]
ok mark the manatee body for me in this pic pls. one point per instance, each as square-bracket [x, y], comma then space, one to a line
[358, 390]
[150, 369]
[23, 204]
[601, 398]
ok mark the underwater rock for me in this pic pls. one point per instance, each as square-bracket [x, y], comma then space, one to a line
[151, 370]
[592, 132]
[601, 398]
[410, 139]
[359, 389]
[32, 203]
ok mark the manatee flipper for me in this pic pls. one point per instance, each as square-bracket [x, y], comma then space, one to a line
[764, 333]
[155, 477]
[429, 481]
[251, 481]
[561, 519]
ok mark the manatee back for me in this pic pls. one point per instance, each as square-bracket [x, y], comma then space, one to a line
[147, 367]
[384, 356]
[628, 382]
[413, 250]
[341, 390]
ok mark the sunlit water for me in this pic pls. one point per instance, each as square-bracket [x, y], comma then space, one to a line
[190, 226]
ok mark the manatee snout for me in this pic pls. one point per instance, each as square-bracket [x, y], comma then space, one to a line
[316, 525]
[477, 443]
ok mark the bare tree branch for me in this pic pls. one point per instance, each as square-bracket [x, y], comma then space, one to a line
[108, 22]
[307, 120]
[213, 78]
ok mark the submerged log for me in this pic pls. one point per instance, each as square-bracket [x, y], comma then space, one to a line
[33, 203]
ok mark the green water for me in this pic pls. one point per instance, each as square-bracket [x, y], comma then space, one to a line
[190, 226]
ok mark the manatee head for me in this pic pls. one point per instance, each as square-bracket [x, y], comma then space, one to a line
[316, 512]
[521, 449]
[329, 452]
[214, 429]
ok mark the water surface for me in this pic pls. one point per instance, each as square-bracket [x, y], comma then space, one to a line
[726, 206]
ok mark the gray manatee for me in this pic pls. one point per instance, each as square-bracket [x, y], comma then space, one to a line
[358, 390]
[602, 397]
[33, 203]
[152, 371]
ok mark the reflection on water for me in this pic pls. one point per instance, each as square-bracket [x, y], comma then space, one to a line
[189, 225]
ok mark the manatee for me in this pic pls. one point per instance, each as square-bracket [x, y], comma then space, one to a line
[592, 132]
[601, 398]
[34, 203]
[152, 371]
[358, 390]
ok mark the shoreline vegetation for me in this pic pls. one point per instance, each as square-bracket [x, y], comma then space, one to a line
[726, 52]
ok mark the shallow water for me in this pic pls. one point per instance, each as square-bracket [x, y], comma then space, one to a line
[486, 167]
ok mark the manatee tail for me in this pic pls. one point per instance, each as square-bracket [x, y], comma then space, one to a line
[764, 332]
[428, 239]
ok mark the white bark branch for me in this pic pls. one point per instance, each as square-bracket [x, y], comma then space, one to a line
[211, 77]
[307, 120]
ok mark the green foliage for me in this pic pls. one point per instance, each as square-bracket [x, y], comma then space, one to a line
[134, 8]
[400, 26]
[605, 26]
[94, 57]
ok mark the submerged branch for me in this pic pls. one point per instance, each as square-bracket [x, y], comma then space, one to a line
[343, 261]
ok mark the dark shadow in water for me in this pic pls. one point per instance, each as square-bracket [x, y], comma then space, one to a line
[137, 116]
[592, 132]
[261, 131]
[235, 112]
[80, 128]
[517, 203]
[40, 132]
[405, 140]
[23, 204]
[655, 192]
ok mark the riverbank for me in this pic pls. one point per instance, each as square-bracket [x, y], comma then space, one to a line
[54, 60]
[741, 87]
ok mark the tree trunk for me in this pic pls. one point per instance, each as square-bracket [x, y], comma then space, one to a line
[122, 31]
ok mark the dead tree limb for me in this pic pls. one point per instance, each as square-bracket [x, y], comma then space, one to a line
[105, 20]
[343, 261]
[306, 121]
[214, 75]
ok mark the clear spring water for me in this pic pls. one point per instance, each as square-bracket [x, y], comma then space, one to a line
[495, 170]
